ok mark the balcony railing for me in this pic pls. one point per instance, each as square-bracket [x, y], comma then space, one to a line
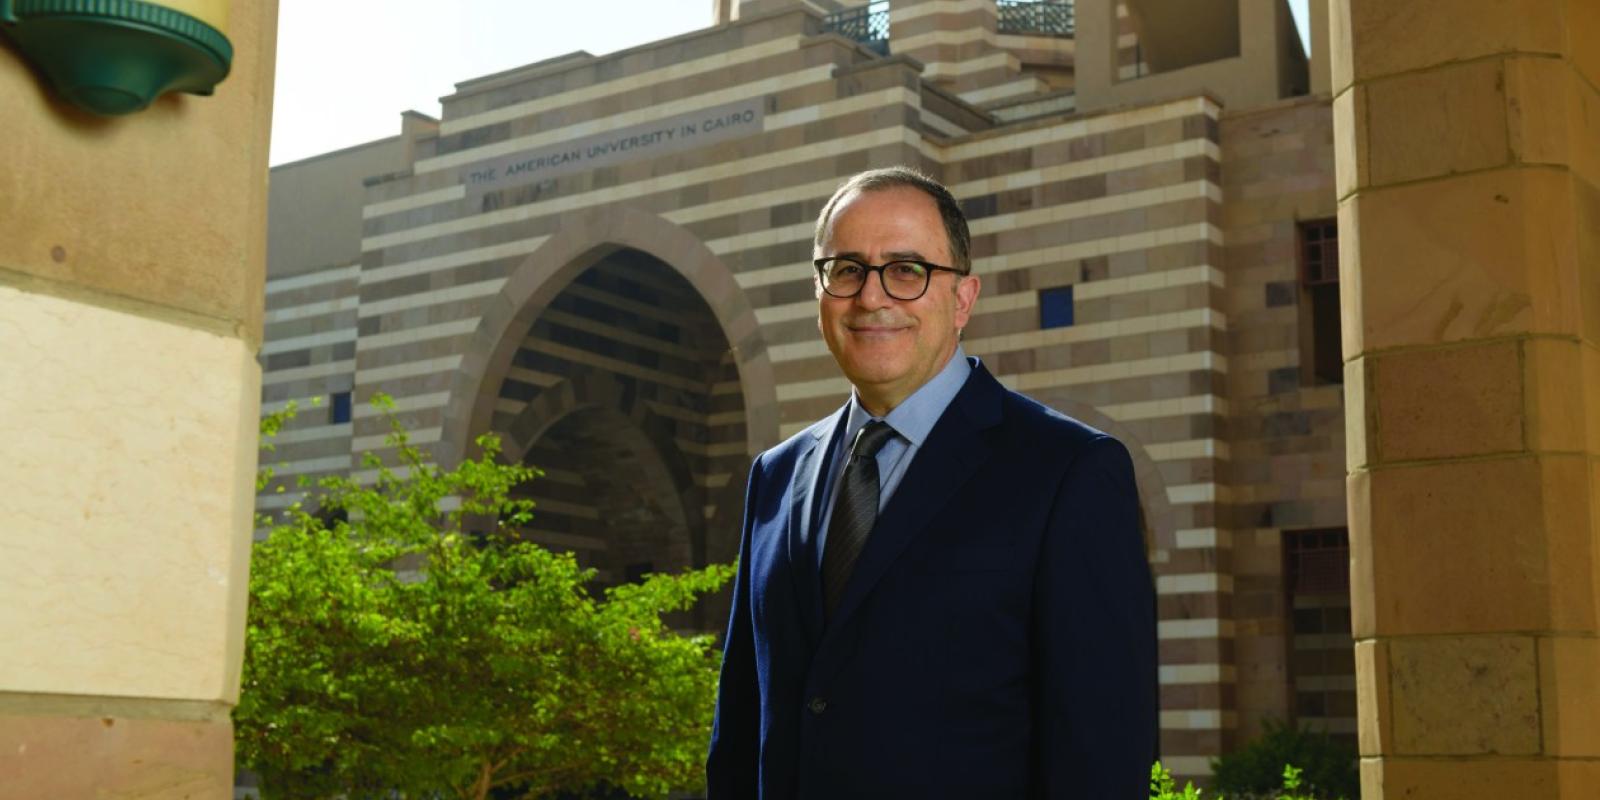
[1037, 17]
[868, 24]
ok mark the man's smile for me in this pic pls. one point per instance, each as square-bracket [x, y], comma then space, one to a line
[876, 331]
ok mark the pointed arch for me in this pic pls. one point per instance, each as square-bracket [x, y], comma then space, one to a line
[584, 238]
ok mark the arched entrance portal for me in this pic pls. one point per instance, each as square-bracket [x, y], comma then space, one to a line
[740, 418]
[625, 391]
[609, 496]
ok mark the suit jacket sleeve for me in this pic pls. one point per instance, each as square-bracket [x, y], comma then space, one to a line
[732, 766]
[1094, 629]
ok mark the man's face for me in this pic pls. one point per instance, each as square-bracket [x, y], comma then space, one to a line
[888, 348]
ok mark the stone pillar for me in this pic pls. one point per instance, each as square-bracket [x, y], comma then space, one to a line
[132, 260]
[1468, 144]
[1095, 59]
[1321, 72]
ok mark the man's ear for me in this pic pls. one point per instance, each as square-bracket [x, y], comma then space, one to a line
[966, 296]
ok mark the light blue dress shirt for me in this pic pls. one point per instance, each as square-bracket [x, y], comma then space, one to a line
[913, 420]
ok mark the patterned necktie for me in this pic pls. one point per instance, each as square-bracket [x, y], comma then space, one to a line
[853, 513]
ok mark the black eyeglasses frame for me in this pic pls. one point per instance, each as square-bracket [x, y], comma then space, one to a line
[821, 265]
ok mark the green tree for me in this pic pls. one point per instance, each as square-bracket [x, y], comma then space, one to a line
[1163, 787]
[1330, 768]
[390, 649]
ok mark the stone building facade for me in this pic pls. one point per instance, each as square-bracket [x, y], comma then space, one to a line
[606, 260]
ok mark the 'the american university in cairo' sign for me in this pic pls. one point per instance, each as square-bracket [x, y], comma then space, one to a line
[648, 140]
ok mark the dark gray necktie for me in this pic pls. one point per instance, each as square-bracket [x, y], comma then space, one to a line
[853, 513]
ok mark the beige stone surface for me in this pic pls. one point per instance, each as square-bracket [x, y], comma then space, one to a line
[1576, 778]
[1419, 34]
[1537, 124]
[1467, 779]
[1472, 546]
[1341, 53]
[1350, 145]
[131, 448]
[1468, 152]
[1482, 255]
[1582, 18]
[1363, 573]
[1485, 412]
[1320, 66]
[1352, 307]
[1429, 124]
[1554, 115]
[1464, 695]
[1556, 398]
[60, 757]
[1569, 689]
[164, 206]
[1586, 213]
[1594, 530]
[1374, 714]
[1360, 424]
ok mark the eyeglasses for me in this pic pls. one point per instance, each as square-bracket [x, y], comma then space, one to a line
[902, 280]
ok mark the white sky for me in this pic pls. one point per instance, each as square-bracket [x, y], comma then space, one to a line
[347, 68]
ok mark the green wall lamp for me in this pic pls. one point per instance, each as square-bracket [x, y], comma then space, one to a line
[117, 56]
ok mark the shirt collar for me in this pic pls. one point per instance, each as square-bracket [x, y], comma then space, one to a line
[914, 418]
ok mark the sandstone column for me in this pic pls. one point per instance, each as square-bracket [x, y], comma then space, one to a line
[132, 259]
[1468, 139]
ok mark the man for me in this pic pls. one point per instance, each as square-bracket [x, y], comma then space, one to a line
[942, 590]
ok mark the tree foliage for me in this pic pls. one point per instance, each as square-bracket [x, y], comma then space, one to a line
[391, 649]
[1164, 787]
[1330, 768]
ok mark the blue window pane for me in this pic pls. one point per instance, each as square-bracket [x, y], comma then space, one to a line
[1055, 307]
[339, 410]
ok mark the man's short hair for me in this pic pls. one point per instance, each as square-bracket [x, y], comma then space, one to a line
[877, 180]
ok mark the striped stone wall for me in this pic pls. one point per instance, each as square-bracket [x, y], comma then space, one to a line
[1286, 429]
[308, 356]
[963, 50]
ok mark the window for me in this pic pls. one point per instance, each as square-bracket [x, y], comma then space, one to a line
[1321, 647]
[1318, 561]
[339, 408]
[1320, 355]
[1055, 307]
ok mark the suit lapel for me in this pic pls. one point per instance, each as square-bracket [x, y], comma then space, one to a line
[809, 470]
[948, 457]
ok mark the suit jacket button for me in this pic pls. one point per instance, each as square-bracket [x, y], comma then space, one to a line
[818, 705]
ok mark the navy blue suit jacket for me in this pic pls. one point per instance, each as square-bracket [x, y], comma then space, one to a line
[997, 638]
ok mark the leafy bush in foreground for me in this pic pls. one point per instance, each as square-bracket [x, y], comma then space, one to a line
[1330, 769]
[1163, 787]
[482, 668]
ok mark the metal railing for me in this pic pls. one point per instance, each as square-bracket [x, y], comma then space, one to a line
[1037, 17]
[867, 24]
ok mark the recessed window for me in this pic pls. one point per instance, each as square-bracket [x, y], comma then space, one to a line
[1319, 283]
[1316, 571]
[339, 408]
[1055, 307]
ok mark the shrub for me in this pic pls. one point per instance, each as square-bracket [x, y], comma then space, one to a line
[1329, 768]
[486, 669]
[1162, 787]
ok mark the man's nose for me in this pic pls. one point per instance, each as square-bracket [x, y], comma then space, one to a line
[872, 294]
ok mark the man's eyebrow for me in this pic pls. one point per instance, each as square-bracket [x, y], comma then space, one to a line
[893, 255]
[903, 255]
